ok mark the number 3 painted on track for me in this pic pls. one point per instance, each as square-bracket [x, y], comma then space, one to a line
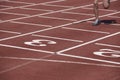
[104, 52]
[39, 42]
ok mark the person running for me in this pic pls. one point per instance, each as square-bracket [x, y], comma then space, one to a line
[106, 5]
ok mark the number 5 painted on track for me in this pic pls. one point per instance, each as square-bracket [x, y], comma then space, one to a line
[39, 42]
[108, 53]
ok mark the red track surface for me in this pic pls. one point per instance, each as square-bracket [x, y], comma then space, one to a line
[54, 40]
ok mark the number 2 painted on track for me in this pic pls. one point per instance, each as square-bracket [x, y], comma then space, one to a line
[39, 42]
[104, 52]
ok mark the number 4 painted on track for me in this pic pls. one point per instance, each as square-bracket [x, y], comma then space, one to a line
[108, 53]
[39, 42]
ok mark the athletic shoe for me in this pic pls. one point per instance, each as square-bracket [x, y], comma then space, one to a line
[97, 22]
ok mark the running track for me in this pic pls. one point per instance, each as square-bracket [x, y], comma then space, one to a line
[54, 40]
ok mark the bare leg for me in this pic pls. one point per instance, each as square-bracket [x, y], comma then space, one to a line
[97, 22]
[106, 4]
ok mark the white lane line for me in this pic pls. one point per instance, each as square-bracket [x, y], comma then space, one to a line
[61, 61]
[57, 38]
[14, 13]
[20, 65]
[109, 45]
[68, 12]
[100, 9]
[88, 58]
[89, 42]
[116, 24]
[86, 30]
[10, 32]
[59, 18]
[58, 5]
[36, 9]
[23, 48]
[3, 0]
[4, 6]
[19, 2]
[53, 1]
[31, 24]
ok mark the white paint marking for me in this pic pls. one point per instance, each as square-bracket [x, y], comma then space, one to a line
[58, 5]
[53, 1]
[36, 9]
[58, 18]
[101, 16]
[68, 12]
[57, 38]
[30, 49]
[34, 32]
[10, 32]
[109, 45]
[39, 43]
[19, 2]
[46, 13]
[4, 6]
[15, 13]
[30, 24]
[104, 52]
[101, 9]
[86, 30]
[16, 67]
[61, 61]
[89, 42]
[87, 58]
[22, 6]
[56, 26]
[21, 65]
[86, 43]
[62, 11]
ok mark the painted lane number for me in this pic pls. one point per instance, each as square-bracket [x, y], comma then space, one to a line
[108, 53]
[40, 42]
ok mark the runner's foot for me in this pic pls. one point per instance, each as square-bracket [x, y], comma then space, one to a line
[97, 22]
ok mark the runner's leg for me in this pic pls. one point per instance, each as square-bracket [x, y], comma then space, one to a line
[97, 21]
